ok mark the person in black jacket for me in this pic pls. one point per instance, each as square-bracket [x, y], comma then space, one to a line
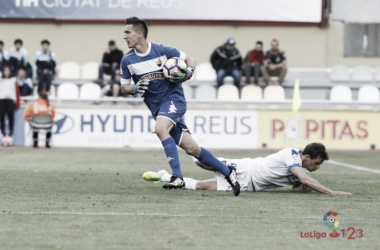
[227, 61]
[45, 62]
[111, 61]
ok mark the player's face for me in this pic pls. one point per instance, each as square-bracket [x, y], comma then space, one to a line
[312, 164]
[131, 36]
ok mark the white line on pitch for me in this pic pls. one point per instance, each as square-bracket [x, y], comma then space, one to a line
[175, 215]
[353, 166]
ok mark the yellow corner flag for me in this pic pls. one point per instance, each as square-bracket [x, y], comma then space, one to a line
[296, 97]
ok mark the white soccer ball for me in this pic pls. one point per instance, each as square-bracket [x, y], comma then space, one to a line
[7, 141]
[172, 65]
[331, 219]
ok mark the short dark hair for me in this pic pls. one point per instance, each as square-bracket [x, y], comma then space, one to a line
[18, 40]
[275, 40]
[259, 42]
[1, 43]
[111, 43]
[45, 42]
[138, 25]
[316, 150]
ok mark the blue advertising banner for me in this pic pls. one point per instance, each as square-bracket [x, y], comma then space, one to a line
[236, 10]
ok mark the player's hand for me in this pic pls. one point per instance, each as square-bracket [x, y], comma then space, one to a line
[140, 87]
[340, 193]
[185, 75]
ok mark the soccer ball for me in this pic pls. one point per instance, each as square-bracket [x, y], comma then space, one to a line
[7, 141]
[172, 65]
[331, 219]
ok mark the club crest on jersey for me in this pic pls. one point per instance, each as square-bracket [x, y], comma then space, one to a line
[152, 76]
[159, 62]
[296, 158]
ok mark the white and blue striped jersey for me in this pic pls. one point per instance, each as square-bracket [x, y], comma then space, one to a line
[149, 66]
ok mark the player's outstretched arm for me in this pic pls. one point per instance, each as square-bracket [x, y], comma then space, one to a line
[301, 188]
[313, 183]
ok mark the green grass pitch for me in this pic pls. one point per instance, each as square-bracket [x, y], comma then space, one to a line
[97, 199]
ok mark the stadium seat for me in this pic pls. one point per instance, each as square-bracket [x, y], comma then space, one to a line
[69, 70]
[368, 93]
[251, 93]
[362, 73]
[188, 91]
[274, 93]
[89, 91]
[205, 72]
[340, 73]
[90, 71]
[228, 93]
[377, 74]
[205, 92]
[341, 93]
[69, 91]
[51, 95]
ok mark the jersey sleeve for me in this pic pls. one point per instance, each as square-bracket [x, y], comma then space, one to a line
[292, 158]
[125, 74]
[170, 52]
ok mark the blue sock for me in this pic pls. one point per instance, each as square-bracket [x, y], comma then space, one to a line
[208, 159]
[172, 155]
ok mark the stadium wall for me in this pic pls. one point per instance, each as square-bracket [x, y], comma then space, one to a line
[305, 46]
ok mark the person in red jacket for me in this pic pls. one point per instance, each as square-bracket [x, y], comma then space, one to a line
[253, 63]
[40, 106]
[9, 99]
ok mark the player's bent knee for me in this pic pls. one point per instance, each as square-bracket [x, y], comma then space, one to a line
[192, 150]
[162, 133]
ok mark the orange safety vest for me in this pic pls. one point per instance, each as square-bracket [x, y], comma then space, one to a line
[39, 107]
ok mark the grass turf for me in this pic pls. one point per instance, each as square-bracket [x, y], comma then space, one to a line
[92, 199]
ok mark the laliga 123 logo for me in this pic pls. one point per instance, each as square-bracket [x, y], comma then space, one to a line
[331, 220]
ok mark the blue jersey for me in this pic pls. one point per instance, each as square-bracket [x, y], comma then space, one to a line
[149, 65]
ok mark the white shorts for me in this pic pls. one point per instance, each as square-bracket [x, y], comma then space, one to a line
[242, 178]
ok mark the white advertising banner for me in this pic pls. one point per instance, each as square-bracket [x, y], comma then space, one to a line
[235, 10]
[132, 128]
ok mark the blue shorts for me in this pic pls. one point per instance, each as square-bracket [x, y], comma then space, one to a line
[174, 110]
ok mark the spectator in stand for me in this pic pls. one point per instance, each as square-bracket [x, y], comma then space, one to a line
[18, 57]
[9, 99]
[226, 60]
[4, 56]
[112, 88]
[274, 64]
[45, 62]
[25, 84]
[111, 61]
[40, 106]
[253, 63]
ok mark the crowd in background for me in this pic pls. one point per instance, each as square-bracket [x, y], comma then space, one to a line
[16, 74]
[227, 61]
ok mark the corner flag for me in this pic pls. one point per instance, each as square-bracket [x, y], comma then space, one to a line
[296, 97]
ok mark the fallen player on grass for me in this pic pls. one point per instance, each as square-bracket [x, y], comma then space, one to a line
[288, 167]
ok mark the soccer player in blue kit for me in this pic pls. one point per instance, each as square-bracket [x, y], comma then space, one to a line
[165, 99]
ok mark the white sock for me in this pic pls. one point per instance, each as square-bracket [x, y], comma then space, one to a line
[166, 177]
[190, 183]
